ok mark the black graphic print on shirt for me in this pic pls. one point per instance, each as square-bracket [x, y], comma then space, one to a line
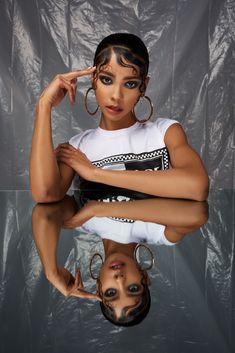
[153, 160]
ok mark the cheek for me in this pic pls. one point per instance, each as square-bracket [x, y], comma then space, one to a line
[133, 98]
[100, 92]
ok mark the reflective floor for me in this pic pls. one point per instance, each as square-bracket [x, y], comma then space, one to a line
[192, 290]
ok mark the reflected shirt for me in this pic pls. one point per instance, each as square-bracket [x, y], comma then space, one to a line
[126, 231]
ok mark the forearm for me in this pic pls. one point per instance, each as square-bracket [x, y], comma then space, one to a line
[46, 236]
[173, 183]
[44, 170]
[177, 213]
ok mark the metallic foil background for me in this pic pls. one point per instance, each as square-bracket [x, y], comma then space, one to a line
[191, 46]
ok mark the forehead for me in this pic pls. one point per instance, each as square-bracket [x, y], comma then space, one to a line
[114, 67]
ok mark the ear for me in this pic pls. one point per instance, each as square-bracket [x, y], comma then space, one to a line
[146, 82]
[94, 80]
[147, 280]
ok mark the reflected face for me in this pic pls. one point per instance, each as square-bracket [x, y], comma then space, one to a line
[117, 90]
[121, 285]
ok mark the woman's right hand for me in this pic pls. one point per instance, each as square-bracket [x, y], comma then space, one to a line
[61, 84]
[69, 285]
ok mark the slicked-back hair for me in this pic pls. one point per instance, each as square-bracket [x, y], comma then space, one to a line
[134, 317]
[130, 51]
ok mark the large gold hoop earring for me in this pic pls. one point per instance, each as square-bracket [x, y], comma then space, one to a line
[142, 121]
[91, 262]
[86, 105]
[138, 246]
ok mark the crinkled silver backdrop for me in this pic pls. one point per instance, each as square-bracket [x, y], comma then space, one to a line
[191, 45]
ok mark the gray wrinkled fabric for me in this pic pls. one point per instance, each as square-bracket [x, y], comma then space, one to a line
[191, 45]
[192, 290]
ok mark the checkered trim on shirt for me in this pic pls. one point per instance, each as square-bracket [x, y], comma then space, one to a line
[132, 157]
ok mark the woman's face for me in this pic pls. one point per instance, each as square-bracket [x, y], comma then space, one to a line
[117, 92]
[120, 280]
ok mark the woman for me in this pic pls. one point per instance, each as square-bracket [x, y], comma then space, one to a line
[152, 158]
[122, 284]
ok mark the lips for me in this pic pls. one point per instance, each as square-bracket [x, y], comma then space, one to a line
[114, 109]
[116, 265]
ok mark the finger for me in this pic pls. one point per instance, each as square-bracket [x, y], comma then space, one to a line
[78, 279]
[68, 146]
[74, 89]
[79, 73]
[85, 295]
[66, 86]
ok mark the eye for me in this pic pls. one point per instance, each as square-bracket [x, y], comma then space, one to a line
[106, 80]
[110, 292]
[134, 288]
[131, 84]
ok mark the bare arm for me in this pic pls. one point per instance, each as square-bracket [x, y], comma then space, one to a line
[46, 223]
[186, 179]
[50, 180]
[179, 216]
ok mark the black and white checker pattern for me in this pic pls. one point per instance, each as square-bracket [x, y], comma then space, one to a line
[132, 157]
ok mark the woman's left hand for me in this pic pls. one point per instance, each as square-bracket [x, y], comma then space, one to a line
[76, 159]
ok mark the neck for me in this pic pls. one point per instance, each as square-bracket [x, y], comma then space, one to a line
[111, 247]
[124, 123]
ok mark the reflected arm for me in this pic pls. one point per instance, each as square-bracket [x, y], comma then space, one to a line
[179, 216]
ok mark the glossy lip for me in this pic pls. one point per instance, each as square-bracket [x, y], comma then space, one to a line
[114, 109]
[116, 265]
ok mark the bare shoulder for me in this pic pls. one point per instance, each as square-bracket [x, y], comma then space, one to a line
[181, 152]
[175, 136]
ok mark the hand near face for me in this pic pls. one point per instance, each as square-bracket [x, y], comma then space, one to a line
[71, 286]
[61, 84]
[75, 159]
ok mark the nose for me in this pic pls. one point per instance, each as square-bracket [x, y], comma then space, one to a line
[117, 92]
[119, 275]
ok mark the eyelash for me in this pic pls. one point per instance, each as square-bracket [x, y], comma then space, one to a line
[129, 289]
[108, 81]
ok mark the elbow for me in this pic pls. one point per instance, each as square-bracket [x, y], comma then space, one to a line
[45, 196]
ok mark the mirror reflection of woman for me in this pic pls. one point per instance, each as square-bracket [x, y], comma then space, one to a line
[148, 157]
[122, 284]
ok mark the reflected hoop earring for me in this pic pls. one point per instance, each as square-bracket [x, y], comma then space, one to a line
[150, 252]
[90, 265]
[151, 110]
[86, 105]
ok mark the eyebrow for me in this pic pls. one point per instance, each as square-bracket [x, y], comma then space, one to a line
[130, 306]
[129, 295]
[112, 75]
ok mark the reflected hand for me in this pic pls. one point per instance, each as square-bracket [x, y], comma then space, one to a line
[61, 84]
[75, 159]
[71, 286]
[82, 216]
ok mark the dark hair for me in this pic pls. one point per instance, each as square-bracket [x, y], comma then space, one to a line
[127, 48]
[135, 316]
